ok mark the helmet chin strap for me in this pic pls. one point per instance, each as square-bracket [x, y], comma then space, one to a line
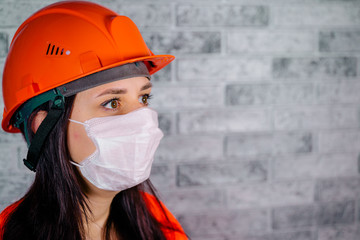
[37, 143]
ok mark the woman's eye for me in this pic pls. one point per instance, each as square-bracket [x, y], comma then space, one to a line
[112, 104]
[144, 99]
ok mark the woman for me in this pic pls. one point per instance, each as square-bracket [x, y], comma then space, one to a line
[76, 83]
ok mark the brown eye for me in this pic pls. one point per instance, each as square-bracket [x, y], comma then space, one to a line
[112, 104]
[144, 99]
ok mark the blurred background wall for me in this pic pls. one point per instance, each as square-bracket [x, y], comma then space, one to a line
[260, 111]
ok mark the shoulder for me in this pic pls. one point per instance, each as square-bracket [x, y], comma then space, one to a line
[163, 215]
[5, 214]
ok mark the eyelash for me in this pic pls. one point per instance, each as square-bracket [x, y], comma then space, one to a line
[148, 97]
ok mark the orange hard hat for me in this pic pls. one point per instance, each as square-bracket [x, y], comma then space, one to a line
[66, 41]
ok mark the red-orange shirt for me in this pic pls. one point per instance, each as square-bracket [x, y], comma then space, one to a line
[150, 202]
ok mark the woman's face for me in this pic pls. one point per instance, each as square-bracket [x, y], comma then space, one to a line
[115, 98]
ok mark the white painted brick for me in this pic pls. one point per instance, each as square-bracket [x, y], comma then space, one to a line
[317, 117]
[10, 137]
[183, 42]
[144, 15]
[336, 213]
[317, 68]
[178, 97]
[225, 120]
[4, 43]
[291, 235]
[163, 176]
[339, 41]
[190, 148]
[220, 69]
[14, 186]
[345, 92]
[163, 75]
[203, 174]
[294, 217]
[166, 123]
[221, 15]
[270, 195]
[193, 200]
[275, 41]
[314, 166]
[224, 223]
[254, 94]
[268, 143]
[339, 141]
[350, 232]
[13, 14]
[316, 15]
[337, 189]
[9, 156]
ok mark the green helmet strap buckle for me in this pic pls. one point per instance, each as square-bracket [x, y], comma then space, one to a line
[22, 115]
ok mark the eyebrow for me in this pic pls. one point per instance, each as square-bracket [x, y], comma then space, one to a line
[121, 90]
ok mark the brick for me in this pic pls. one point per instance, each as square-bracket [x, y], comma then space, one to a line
[270, 41]
[179, 97]
[339, 141]
[224, 223]
[166, 123]
[10, 137]
[144, 15]
[202, 174]
[298, 235]
[314, 166]
[183, 42]
[13, 186]
[193, 200]
[163, 176]
[14, 13]
[340, 92]
[316, 15]
[344, 67]
[196, 15]
[339, 233]
[4, 43]
[339, 41]
[323, 117]
[254, 94]
[162, 76]
[270, 195]
[224, 120]
[8, 156]
[220, 69]
[337, 189]
[268, 143]
[190, 148]
[336, 213]
[293, 217]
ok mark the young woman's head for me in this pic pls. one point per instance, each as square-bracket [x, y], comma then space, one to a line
[76, 83]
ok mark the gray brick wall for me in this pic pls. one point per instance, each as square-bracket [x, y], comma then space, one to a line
[260, 110]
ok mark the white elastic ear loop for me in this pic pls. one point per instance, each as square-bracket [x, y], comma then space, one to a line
[71, 120]
[76, 164]
[72, 162]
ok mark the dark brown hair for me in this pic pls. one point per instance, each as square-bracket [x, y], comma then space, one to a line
[54, 205]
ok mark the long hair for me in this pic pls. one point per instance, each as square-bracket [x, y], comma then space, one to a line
[54, 206]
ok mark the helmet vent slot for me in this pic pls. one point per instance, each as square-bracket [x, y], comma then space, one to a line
[54, 50]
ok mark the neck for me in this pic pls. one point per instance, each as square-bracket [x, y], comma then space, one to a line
[99, 202]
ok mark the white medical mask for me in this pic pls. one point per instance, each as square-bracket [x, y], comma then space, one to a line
[125, 148]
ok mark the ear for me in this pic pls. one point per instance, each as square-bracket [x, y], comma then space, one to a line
[39, 117]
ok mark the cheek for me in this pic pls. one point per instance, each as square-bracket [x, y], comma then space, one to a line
[79, 144]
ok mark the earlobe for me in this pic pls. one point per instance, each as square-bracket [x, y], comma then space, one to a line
[39, 117]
